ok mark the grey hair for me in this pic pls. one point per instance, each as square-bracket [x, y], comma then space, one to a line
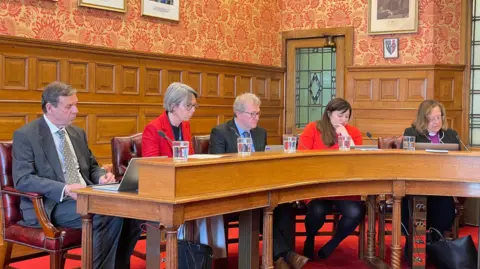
[243, 99]
[53, 91]
[176, 93]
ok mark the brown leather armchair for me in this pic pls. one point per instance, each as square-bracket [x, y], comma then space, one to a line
[124, 148]
[54, 240]
[201, 143]
[390, 142]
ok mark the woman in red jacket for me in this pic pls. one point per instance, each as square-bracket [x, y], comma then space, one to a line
[180, 102]
[323, 134]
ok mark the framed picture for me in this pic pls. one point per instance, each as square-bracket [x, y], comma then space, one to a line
[390, 48]
[392, 16]
[165, 9]
[113, 5]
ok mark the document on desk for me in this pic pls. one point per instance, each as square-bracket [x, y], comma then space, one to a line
[205, 156]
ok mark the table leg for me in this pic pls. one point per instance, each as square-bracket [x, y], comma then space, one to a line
[248, 239]
[396, 232]
[371, 203]
[87, 241]
[267, 237]
[417, 230]
[172, 247]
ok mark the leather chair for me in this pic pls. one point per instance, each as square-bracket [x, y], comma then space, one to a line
[385, 203]
[201, 143]
[51, 239]
[124, 148]
[390, 142]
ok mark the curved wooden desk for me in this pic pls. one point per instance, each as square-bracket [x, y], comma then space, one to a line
[174, 192]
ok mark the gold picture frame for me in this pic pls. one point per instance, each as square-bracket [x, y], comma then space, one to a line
[112, 5]
[163, 9]
[392, 17]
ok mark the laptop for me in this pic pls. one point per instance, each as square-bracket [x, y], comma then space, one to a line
[274, 148]
[438, 146]
[365, 147]
[129, 181]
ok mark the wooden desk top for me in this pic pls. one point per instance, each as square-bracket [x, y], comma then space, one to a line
[261, 156]
[164, 180]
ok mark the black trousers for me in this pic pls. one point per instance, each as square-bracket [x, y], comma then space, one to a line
[114, 238]
[440, 213]
[283, 224]
[352, 214]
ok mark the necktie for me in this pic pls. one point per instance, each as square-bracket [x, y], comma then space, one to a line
[69, 162]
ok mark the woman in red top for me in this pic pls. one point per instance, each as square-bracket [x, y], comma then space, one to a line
[180, 102]
[323, 134]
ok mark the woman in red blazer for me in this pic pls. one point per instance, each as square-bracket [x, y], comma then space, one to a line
[323, 134]
[180, 102]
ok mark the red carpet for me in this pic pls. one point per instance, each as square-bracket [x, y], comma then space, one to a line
[344, 257]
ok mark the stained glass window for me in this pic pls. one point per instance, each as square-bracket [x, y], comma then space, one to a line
[475, 78]
[314, 83]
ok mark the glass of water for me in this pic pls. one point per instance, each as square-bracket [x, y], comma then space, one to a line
[180, 150]
[344, 143]
[289, 143]
[244, 146]
[409, 142]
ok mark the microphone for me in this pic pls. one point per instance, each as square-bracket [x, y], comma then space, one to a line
[461, 142]
[369, 135]
[162, 134]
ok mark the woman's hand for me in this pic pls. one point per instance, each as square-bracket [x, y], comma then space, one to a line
[340, 129]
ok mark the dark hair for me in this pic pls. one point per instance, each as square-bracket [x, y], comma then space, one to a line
[54, 90]
[329, 135]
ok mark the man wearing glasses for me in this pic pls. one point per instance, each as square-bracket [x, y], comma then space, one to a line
[223, 139]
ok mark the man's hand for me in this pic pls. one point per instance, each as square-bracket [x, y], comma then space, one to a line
[108, 178]
[70, 188]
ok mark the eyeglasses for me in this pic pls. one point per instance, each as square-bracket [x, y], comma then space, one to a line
[252, 114]
[437, 118]
[190, 106]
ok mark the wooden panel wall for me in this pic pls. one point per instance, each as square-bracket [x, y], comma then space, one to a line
[121, 91]
[385, 99]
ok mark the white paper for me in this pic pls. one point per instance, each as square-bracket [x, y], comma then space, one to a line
[205, 156]
[437, 150]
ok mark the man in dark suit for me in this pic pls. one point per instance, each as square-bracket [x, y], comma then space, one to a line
[223, 139]
[51, 157]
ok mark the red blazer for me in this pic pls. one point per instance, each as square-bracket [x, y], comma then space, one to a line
[311, 137]
[155, 145]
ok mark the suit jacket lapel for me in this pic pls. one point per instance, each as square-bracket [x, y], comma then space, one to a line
[78, 144]
[49, 148]
[233, 134]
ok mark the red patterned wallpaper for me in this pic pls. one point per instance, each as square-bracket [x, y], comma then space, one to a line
[234, 30]
[437, 39]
